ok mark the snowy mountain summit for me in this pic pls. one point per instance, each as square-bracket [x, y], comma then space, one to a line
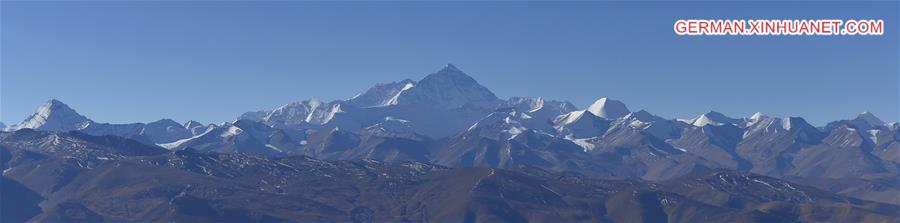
[608, 108]
[714, 118]
[870, 119]
[54, 116]
[382, 94]
[448, 88]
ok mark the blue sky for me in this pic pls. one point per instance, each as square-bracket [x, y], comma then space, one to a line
[211, 61]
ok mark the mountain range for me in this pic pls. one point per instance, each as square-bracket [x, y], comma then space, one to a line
[396, 148]
[75, 177]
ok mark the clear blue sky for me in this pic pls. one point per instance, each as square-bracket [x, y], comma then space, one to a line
[211, 61]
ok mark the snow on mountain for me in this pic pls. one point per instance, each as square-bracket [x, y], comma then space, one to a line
[772, 125]
[57, 116]
[870, 119]
[392, 124]
[197, 128]
[439, 105]
[2, 126]
[295, 113]
[382, 94]
[756, 117]
[310, 111]
[538, 113]
[580, 124]
[449, 88]
[863, 122]
[590, 122]
[654, 125]
[392, 127]
[255, 115]
[501, 125]
[714, 118]
[525, 104]
[54, 116]
[538, 104]
[165, 130]
[864, 128]
[608, 108]
[244, 136]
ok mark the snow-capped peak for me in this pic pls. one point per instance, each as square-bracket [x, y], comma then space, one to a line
[757, 116]
[580, 124]
[540, 107]
[197, 128]
[406, 87]
[502, 124]
[309, 111]
[870, 119]
[192, 124]
[791, 123]
[448, 88]
[569, 118]
[382, 94]
[526, 104]
[608, 108]
[714, 118]
[54, 116]
[231, 131]
[450, 68]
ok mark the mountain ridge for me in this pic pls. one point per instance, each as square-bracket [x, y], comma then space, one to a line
[449, 118]
[93, 180]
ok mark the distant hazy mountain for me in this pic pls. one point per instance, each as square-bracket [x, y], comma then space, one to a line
[57, 116]
[715, 118]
